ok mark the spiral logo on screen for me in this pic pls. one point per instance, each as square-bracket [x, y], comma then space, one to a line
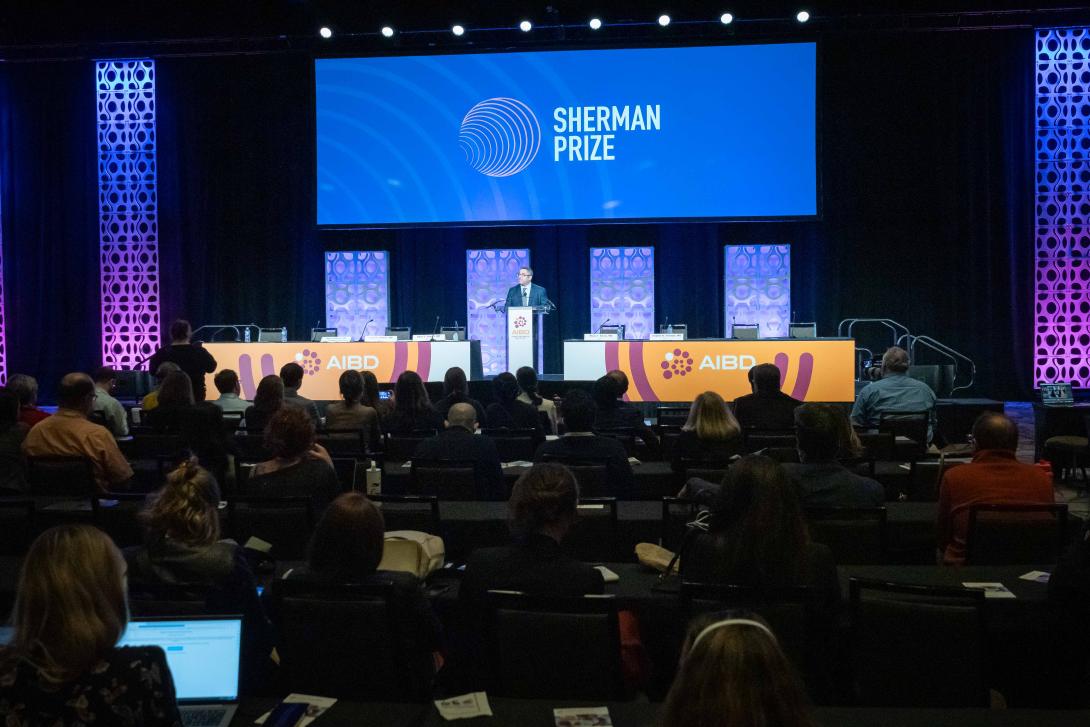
[500, 137]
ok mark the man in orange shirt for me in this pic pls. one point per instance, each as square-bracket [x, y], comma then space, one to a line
[994, 476]
[68, 433]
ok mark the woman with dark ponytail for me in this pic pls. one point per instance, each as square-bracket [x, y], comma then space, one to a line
[527, 381]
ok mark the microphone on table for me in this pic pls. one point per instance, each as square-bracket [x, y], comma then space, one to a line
[551, 305]
[365, 327]
[599, 328]
[436, 329]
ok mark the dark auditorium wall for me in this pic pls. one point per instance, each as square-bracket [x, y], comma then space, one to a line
[926, 174]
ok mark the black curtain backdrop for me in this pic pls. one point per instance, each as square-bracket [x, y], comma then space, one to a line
[926, 174]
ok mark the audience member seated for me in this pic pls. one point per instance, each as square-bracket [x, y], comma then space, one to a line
[151, 399]
[26, 388]
[458, 442]
[527, 381]
[371, 396]
[188, 354]
[1069, 599]
[299, 467]
[349, 413]
[456, 391]
[994, 476]
[614, 413]
[711, 433]
[292, 375]
[204, 433]
[766, 407]
[268, 399]
[581, 445]
[68, 433]
[175, 399]
[347, 548]
[12, 434]
[507, 412]
[182, 548]
[62, 665]
[894, 392]
[412, 410]
[116, 419]
[733, 673]
[820, 479]
[230, 399]
[757, 536]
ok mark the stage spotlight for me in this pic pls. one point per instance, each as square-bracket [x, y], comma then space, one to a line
[803, 16]
[664, 20]
[458, 30]
[325, 32]
[387, 31]
[595, 23]
[726, 18]
[526, 26]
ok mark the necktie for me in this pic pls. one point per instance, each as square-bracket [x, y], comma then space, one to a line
[525, 296]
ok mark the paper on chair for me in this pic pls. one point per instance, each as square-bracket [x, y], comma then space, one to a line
[474, 704]
[316, 707]
[992, 590]
[582, 717]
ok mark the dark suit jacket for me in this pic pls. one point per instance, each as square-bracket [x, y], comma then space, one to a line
[537, 296]
[458, 444]
[691, 447]
[626, 416]
[292, 398]
[520, 416]
[830, 484]
[766, 410]
[593, 449]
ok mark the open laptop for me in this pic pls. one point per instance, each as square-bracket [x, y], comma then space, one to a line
[1057, 394]
[203, 654]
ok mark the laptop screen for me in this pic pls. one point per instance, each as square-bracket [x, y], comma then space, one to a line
[203, 654]
[1057, 394]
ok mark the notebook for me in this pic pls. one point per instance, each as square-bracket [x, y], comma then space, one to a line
[203, 655]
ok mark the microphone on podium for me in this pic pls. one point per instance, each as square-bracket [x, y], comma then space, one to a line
[436, 328]
[365, 327]
[599, 328]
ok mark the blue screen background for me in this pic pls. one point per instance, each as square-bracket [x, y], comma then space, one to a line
[737, 138]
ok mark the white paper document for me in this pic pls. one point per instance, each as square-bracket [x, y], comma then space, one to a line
[474, 704]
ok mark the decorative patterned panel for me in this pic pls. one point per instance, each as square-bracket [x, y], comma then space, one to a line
[357, 291]
[622, 289]
[489, 273]
[1062, 196]
[128, 211]
[3, 328]
[757, 284]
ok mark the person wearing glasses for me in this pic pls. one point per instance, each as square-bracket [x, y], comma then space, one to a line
[526, 293]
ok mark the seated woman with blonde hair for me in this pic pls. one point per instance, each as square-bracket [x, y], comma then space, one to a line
[63, 665]
[711, 434]
[733, 673]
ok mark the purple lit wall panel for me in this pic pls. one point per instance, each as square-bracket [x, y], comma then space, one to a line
[622, 289]
[489, 273]
[128, 211]
[757, 285]
[1062, 312]
[3, 329]
[357, 290]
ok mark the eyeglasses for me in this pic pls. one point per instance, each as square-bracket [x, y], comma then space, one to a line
[524, 275]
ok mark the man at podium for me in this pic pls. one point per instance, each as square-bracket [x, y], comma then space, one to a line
[526, 293]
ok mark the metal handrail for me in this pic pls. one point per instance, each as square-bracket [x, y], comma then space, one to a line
[844, 328]
[217, 328]
[950, 353]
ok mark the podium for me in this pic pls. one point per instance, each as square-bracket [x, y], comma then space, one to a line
[525, 345]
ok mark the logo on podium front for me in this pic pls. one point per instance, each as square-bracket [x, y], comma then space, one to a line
[676, 363]
[520, 327]
[309, 361]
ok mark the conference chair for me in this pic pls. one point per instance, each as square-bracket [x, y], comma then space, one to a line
[624, 435]
[856, 536]
[755, 440]
[912, 425]
[400, 447]
[343, 442]
[917, 646]
[593, 537]
[157, 599]
[17, 525]
[284, 522]
[60, 477]
[409, 512]
[878, 446]
[1015, 534]
[672, 415]
[668, 435]
[553, 648]
[1070, 453]
[349, 641]
[592, 476]
[677, 513]
[448, 479]
[706, 469]
[514, 444]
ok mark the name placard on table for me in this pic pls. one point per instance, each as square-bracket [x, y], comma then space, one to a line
[601, 336]
[380, 339]
[667, 336]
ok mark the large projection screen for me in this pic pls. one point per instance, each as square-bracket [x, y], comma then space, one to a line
[716, 132]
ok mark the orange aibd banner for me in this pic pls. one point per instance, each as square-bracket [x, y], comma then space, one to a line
[810, 370]
[323, 363]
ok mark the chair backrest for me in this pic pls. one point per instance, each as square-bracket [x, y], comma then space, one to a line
[343, 442]
[448, 479]
[60, 477]
[98, 417]
[154, 444]
[16, 525]
[251, 447]
[668, 436]
[917, 646]
[553, 648]
[758, 439]
[1014, 534]
[857, 536]
[672, 415]
[513, 444]
[878, 446]
[410, 512]
[624, 435]
[348, 641]
[151, 599]
[400, 447]
[593, 538]
[710, 470]
[285, 522]
[911, 424]
[593, 477]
